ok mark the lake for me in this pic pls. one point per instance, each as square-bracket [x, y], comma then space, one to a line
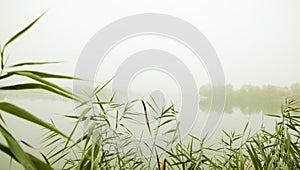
[51, 107]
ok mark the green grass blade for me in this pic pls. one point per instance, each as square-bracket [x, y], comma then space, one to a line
[38, 76]
[5, 76]
[39, 79]
[21, 113]
[31, 86]
[33, 63]
[26, 86]
[17, 151]
[146, 117]
[22, 31]
[37, 73]
[77, 123]
[6, 150]
[99, 88]
[46, 75]
[37, 162]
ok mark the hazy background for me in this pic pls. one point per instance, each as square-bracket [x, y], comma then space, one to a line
[257, 43]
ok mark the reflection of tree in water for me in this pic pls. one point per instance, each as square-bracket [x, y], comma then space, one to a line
[251, 99]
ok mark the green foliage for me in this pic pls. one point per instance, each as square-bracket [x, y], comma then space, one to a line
[17, 151]
[264, 150]
[21, 113]
[109, 141]
[13, 149]
[107, 144]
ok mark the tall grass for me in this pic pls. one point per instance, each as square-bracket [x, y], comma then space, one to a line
[108, 142]
[37, 80]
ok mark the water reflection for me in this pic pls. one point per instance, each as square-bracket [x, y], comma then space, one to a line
[251, 99]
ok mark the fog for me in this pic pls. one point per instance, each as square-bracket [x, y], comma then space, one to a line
[257, 42]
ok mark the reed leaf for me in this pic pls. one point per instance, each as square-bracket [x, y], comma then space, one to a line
[37, 162]
[21, 113]
[17, 151]
[33, 63]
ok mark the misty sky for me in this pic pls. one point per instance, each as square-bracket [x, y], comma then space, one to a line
[257, 41]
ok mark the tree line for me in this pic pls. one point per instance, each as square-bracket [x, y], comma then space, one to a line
[250, 98]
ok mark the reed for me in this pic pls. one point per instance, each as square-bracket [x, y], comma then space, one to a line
[109, 143]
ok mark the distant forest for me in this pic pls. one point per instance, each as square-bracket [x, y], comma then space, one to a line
[251, 99]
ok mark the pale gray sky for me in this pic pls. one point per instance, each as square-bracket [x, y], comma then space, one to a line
[257, 41]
